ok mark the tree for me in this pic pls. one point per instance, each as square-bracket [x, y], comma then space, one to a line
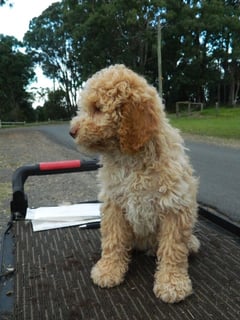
[229, 42]
[16, 73]
[2, 2]
[108, 32]
[55, 106]
[201, 50]
[51, 46]
[190, 70]
[73, 39]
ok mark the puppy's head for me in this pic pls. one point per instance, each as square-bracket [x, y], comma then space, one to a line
[117, 110]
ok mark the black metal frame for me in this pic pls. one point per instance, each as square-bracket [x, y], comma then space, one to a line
[19, 202]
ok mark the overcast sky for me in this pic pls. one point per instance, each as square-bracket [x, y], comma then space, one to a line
[14, 21]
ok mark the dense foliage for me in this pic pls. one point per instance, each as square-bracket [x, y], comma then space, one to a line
[54, 108]
[2, 2]
[50, 45]
[16, 72]
[200, 45]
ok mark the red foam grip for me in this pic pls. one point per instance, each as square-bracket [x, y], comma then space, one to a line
[58, 165]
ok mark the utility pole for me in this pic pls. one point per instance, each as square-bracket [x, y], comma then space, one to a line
[159, 53]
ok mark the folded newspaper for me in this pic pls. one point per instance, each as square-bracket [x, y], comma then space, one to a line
[45, 218]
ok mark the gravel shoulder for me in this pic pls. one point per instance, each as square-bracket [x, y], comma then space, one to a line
[20, 147]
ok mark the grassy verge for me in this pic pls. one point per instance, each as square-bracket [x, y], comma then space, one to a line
[223, 124]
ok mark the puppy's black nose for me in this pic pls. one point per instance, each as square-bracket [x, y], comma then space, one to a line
[73, 132]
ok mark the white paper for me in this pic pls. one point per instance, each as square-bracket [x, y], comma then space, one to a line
[45, 218]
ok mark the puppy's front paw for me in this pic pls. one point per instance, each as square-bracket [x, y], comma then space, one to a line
[107, 274]
[172, 289]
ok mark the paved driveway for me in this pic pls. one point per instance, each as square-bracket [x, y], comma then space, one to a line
[219, 171]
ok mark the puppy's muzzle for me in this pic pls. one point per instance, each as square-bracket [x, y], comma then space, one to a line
[73, 132]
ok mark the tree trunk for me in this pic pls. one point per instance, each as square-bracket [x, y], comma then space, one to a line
[231, 91]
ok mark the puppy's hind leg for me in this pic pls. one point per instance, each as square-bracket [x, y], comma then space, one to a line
[117, 239]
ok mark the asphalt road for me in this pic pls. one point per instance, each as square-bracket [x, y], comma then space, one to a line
[217, 166]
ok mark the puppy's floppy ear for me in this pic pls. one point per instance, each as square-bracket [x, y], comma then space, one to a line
[138, 124]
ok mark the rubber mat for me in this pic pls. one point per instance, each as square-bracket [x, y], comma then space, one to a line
[52, 278]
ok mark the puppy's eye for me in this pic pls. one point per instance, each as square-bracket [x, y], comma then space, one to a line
[97, 109]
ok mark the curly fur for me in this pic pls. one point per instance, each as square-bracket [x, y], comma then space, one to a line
[147, 185]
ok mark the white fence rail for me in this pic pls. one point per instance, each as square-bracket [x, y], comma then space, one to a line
[11, 123]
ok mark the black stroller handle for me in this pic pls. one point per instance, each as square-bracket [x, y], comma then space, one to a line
[19, 201]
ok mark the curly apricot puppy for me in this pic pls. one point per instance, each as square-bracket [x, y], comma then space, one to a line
[147, 185]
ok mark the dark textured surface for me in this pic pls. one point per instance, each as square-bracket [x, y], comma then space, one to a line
[52, 278]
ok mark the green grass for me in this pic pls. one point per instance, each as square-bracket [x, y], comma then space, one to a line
[224, 123]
